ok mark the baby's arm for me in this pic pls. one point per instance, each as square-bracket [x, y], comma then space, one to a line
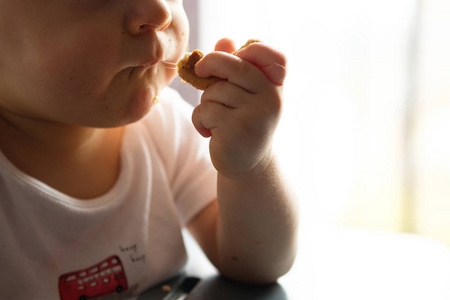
[250, 232]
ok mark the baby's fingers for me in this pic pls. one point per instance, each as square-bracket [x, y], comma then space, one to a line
[225, 45]
[207, 116]
[270, 61]
[236, 70]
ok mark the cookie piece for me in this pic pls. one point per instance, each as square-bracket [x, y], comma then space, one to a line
[185, 68]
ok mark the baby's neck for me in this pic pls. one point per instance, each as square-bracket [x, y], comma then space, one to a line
[82, 162]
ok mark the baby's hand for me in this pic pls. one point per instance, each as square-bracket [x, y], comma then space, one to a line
[241, 114]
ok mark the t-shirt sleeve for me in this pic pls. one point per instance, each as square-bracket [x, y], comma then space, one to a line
[185, 154]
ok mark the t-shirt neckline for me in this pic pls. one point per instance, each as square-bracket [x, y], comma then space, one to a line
[114, 194]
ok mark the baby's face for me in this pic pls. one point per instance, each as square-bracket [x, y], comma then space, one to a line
[88, 62]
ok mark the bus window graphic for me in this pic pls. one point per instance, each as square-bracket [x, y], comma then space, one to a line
[105, 278]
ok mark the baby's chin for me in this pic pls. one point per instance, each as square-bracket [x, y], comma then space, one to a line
[130, 103]
[140, 105]
[129, 111]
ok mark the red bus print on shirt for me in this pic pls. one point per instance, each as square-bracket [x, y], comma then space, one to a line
[105, 278]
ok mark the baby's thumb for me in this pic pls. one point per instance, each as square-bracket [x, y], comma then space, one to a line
[225, 45]
[270, 61]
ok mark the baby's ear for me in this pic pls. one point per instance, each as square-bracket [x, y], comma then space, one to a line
[225, 45]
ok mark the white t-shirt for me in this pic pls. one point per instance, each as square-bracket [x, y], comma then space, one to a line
[53, 246]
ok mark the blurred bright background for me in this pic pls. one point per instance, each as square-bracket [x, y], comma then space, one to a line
[365, 136]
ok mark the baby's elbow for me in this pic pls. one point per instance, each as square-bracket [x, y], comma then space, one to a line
[272, 276]
[262, 274]
[264, 279]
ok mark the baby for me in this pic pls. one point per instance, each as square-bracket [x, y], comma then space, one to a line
[97, 179]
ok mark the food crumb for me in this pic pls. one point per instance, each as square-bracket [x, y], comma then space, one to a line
[166, 288]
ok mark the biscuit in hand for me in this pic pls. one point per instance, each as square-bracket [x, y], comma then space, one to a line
[186, 69]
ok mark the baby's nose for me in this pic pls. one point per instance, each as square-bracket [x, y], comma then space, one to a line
[147, 15]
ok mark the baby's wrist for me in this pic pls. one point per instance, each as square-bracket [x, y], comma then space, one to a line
[260, 169]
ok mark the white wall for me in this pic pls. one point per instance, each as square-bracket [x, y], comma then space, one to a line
[347, 141]
[431, 139]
